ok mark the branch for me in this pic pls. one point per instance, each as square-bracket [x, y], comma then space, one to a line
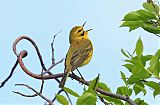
[73, 76]
[37, 93]
[59, 75]
[10, 75]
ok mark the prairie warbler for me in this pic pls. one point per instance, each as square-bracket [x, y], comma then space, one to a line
[79, 53]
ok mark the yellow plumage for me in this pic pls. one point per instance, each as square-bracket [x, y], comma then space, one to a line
[79, 53]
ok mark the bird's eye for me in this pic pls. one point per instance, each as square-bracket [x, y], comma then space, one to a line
[80, 30]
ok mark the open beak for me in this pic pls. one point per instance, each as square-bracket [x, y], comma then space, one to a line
[84, 23]
[89, 30]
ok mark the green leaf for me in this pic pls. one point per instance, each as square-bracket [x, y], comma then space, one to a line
[146, 15]
[87, 99]
[132, 24]
[123, 77]
[129, 67]
[138, 101]
[71, 92]
[132, 16]
[111, 99]
[151, 7]
[150, 27]
[124, 53]
[137, 77]
[93, 85]
[155, 64]
[154, 86]
[124, 91]
[61, 99]
[139, 47]
[104, 87]
[137, 89]
[145, 58]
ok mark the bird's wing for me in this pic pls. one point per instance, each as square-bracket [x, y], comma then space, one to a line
[80, 53]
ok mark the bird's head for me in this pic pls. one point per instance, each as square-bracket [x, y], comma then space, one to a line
[78, 32]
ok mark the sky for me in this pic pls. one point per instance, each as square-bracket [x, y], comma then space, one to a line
[41, 19]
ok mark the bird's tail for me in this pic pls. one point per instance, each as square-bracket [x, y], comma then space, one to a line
[64, 78]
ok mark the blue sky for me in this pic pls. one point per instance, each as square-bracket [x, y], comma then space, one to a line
[40, 20]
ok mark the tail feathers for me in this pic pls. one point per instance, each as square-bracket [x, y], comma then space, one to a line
[63, 80]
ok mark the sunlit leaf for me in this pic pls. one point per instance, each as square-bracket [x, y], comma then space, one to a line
[93, 85]
[137, 89]
[104, 87]
[111, 99]
[87, 99]
[151, 28]
[153, 85]
[71, 92]
[139, 47]
[151, 7]
[61, 99]
[124, 53]
[123, 76]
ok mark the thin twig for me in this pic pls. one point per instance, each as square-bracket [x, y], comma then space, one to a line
[103, 101]
[34, 95]
[68, 97]
[56, 94]
[53, 65]
[10, 75]
[33, 91]
[53, 59]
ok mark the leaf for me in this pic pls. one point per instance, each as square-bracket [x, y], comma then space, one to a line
[61, 99]
[150, 27]
[137, 77]
[123, 77]
[124, 91]
[132, 24]
[111, 99]
[155, 64]
[104, 87]
[137, 89]
[132, 16]
[139, 47]
[93, 85]
[138, 101]
[129, 67]
[87, 99]
[124, 53]
[146, 15]
[145, 58]
[151, 7]
[154, 86]
[71, 92]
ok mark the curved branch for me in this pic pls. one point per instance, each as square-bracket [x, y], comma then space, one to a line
[73, 76]
[23, 54]
[33, 43]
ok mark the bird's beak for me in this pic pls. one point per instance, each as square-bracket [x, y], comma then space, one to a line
[89, 30]
[84, 23]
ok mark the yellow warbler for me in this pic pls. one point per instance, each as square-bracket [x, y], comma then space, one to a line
[80, 51]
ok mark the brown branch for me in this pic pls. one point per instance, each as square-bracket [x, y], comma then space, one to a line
[37, 76]
[50, 103]
[10, 75]
[34, 95]
[53, 59]
[56, 76]
[103, 101]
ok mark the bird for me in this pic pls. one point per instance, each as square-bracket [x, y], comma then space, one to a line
[79, 53]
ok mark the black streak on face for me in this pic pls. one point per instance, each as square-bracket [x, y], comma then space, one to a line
[82, 34]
